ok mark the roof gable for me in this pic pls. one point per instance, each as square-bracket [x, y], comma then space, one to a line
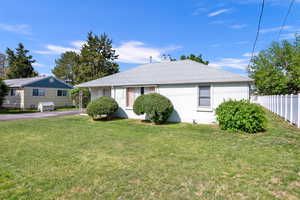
[175, 72]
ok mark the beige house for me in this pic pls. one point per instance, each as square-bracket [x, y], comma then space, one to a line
[27, 93]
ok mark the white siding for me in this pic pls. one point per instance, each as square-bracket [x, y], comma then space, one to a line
[185, 100]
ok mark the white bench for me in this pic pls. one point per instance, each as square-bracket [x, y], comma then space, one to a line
[46, 106]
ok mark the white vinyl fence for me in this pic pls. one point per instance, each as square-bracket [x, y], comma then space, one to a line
[286, 106]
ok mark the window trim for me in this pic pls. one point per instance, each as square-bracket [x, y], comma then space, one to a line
[62, 93]
[140, 93]
[38, 92]
[204, 108]
[10, 92]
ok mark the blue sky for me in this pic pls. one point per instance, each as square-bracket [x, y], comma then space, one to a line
[222, 30]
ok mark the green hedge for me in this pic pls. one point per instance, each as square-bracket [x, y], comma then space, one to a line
[241, 116]
[102, 106]
[157, 108]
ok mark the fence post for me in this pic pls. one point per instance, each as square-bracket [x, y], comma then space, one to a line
[298, 110]
[285, 114]
[277, 104]
[291, 111]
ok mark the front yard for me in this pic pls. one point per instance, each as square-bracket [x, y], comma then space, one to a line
[76, 158]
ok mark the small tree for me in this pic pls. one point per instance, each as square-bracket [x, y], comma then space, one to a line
[3, 92]
[157, 108]
[86, 96]
[102, 106]
[193, 57]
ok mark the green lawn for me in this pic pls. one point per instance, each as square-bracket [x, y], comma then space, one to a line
[76, 158]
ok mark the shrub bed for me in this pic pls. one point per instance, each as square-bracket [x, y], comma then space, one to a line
[157, 108]
[102, 106]
[241, 116]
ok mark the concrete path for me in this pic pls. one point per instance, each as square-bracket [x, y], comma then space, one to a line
[10, 117]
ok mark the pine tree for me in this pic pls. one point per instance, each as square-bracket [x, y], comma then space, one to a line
[97, 59]
[19, 63]
[65, 67]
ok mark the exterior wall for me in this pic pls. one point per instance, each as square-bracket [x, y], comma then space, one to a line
[14, 101]
[185, 100]
[50, 96]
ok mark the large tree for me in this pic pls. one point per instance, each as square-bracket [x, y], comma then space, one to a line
[96, 59]
[65, 67]
[19, 63]
[194, 58]
[276, 70]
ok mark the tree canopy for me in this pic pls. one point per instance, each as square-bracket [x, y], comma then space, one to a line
[276, 70]
[96, 59]
[65, 67]
[19, 63]
[193, 57]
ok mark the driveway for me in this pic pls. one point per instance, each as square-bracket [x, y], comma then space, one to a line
[10, 117]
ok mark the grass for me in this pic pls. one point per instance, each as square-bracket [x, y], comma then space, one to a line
[18, 111]
[76, 158]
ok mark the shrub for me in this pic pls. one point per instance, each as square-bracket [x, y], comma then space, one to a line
[85, 96]
[241, 116]
[3, 91]
[102, 106]
[157, 108]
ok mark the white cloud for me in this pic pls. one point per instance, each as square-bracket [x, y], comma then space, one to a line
[236, 63]
[249, 54]
[19, 28]
[218, 12]
[199, 10]
[287, 36]
[139, 52]
[37, 64]
[238, 26]
[269, 30]
[56, 49]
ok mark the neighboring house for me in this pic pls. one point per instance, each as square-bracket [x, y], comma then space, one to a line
[194, 89]
[26, 93]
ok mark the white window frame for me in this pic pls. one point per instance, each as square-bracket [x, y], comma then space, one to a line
[204, 108]
[39, 95]
[14, 93]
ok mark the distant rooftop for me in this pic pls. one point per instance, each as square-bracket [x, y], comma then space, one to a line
[174, 72]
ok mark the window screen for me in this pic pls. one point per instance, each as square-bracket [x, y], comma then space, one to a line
[204, 96]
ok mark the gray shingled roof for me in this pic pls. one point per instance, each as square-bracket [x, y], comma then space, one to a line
[174, 72]
[20, 82]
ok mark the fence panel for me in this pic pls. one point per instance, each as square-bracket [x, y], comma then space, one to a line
[286, 106]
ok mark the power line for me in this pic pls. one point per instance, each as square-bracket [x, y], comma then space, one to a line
[258, 30]
[285, 18]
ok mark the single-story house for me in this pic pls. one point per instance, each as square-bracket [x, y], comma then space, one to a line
[27, 93]
[195, 89]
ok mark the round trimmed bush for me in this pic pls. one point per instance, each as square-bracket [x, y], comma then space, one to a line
[241, 116]
[102, 106]
[157, 108]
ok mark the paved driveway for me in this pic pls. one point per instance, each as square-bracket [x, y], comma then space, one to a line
[10, 117]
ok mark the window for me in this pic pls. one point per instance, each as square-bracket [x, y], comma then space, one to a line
[62, 93]
[13, 92]
[38, 92]
[134, 92]
[204, 96]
